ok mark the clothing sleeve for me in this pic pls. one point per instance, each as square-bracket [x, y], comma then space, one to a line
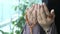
[53, 29]
[37, 29]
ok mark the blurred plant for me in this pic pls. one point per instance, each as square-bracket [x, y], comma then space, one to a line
[20, 22]
[4, 32]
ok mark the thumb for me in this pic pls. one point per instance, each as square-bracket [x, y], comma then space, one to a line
[52, 13]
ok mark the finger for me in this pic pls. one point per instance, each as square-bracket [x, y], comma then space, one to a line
[29, 12]
[26, 13]
[31, 15]
[42, 12]
[27, 21]
[46, 9]
[51, 17]
[39, 18]
[52, 14]
[30, 9]
[34, 15]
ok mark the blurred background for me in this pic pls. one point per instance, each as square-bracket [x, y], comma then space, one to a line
[12, 15]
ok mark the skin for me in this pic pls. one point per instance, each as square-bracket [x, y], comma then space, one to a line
[44, 17]
[41, 14]
[31, 15]
[31, 18]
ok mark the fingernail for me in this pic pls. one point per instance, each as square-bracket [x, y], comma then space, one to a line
[52, 11]
[43, 3]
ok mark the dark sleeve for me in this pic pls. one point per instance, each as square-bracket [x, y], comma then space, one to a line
[54, 29]
[35, 30]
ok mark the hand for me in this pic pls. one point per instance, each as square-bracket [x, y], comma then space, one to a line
[44, 17]
[31, 18]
